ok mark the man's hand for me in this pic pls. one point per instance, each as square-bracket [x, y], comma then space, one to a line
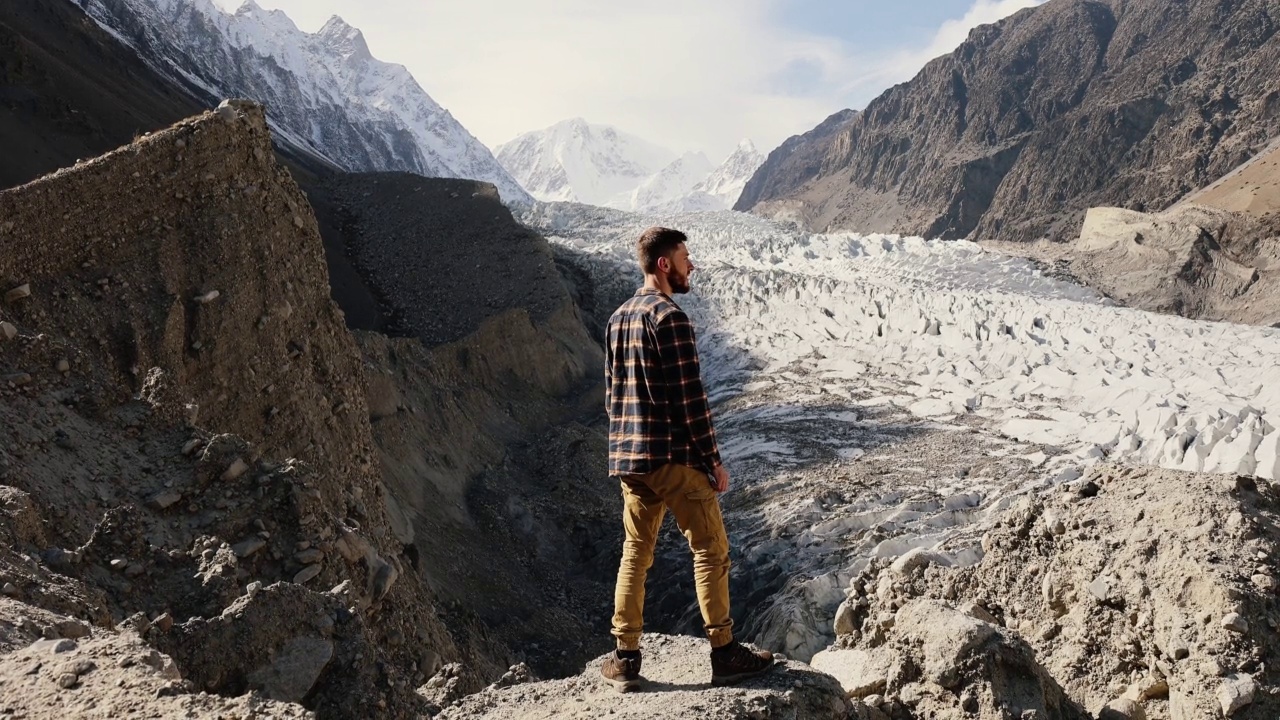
[720, 478]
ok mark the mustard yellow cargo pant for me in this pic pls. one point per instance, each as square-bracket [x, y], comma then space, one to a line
[693, 503]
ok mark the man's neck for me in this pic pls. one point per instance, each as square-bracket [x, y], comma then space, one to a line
[654, 282]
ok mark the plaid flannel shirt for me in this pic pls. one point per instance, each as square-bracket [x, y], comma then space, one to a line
[658, 409]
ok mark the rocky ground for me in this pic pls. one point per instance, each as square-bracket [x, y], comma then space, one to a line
[677, 685]
[184, 452]
[1129, 593]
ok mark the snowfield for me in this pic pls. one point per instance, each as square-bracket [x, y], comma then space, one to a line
[877, 393]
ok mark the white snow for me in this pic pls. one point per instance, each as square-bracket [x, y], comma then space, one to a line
[818, 348]
[578, 161]
[359, 112]
[720, 189]
[672, 182]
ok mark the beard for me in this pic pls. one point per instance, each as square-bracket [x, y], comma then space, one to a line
[679, 283]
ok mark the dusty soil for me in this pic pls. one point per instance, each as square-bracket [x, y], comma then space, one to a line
[1253, 187]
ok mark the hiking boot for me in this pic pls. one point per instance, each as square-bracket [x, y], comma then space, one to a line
[622, 673]
[736, 661]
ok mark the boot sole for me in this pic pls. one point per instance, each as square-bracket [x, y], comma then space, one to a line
[623, 686]
[721, 680]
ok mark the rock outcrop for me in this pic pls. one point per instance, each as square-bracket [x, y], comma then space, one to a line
[677, 673]
[1215, 255]
[1131, 593]
[1033, 120]
[441, 257]
[1192, 260]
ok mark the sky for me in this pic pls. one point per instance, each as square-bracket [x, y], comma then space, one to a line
[690, 75]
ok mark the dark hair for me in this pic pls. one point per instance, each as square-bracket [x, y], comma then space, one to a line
[654, 243]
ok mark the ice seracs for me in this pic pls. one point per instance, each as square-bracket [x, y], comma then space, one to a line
[325, 93]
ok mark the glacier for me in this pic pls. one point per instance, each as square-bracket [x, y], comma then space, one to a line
[877, 393]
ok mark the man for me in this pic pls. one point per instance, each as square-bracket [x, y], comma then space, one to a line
[662, 447]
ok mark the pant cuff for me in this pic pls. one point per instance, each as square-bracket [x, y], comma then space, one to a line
[720, 638]
[629, 643]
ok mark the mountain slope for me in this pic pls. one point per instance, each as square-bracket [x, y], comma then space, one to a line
[71, 91]
[672, 182]
[1058, 108]
[577, 161]
[326, 92]
[721, 189]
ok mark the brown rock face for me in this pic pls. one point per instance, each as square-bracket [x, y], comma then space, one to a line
[201, 207]
[178, 341]
[1130, 594]
[1031, 121]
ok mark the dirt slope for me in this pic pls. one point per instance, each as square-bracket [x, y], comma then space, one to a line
[1252, 188]
[132, 503]
[677, 674]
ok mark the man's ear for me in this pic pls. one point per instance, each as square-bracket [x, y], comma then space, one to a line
[664, 264]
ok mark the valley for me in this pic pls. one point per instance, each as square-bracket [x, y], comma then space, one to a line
[301, 402]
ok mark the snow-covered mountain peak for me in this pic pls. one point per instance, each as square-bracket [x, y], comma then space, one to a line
[580, 161]
[672, 182]
[344, 40]
[325, 92]
[276, 22]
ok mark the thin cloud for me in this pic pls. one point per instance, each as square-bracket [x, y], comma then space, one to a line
[903, 65]
[690, 76]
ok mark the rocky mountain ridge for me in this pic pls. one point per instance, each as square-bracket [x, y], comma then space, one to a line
[269, 503]
[1032, 120]
[326, 93]
[211, 488]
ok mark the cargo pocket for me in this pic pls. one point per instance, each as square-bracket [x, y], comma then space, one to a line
[705, 526]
